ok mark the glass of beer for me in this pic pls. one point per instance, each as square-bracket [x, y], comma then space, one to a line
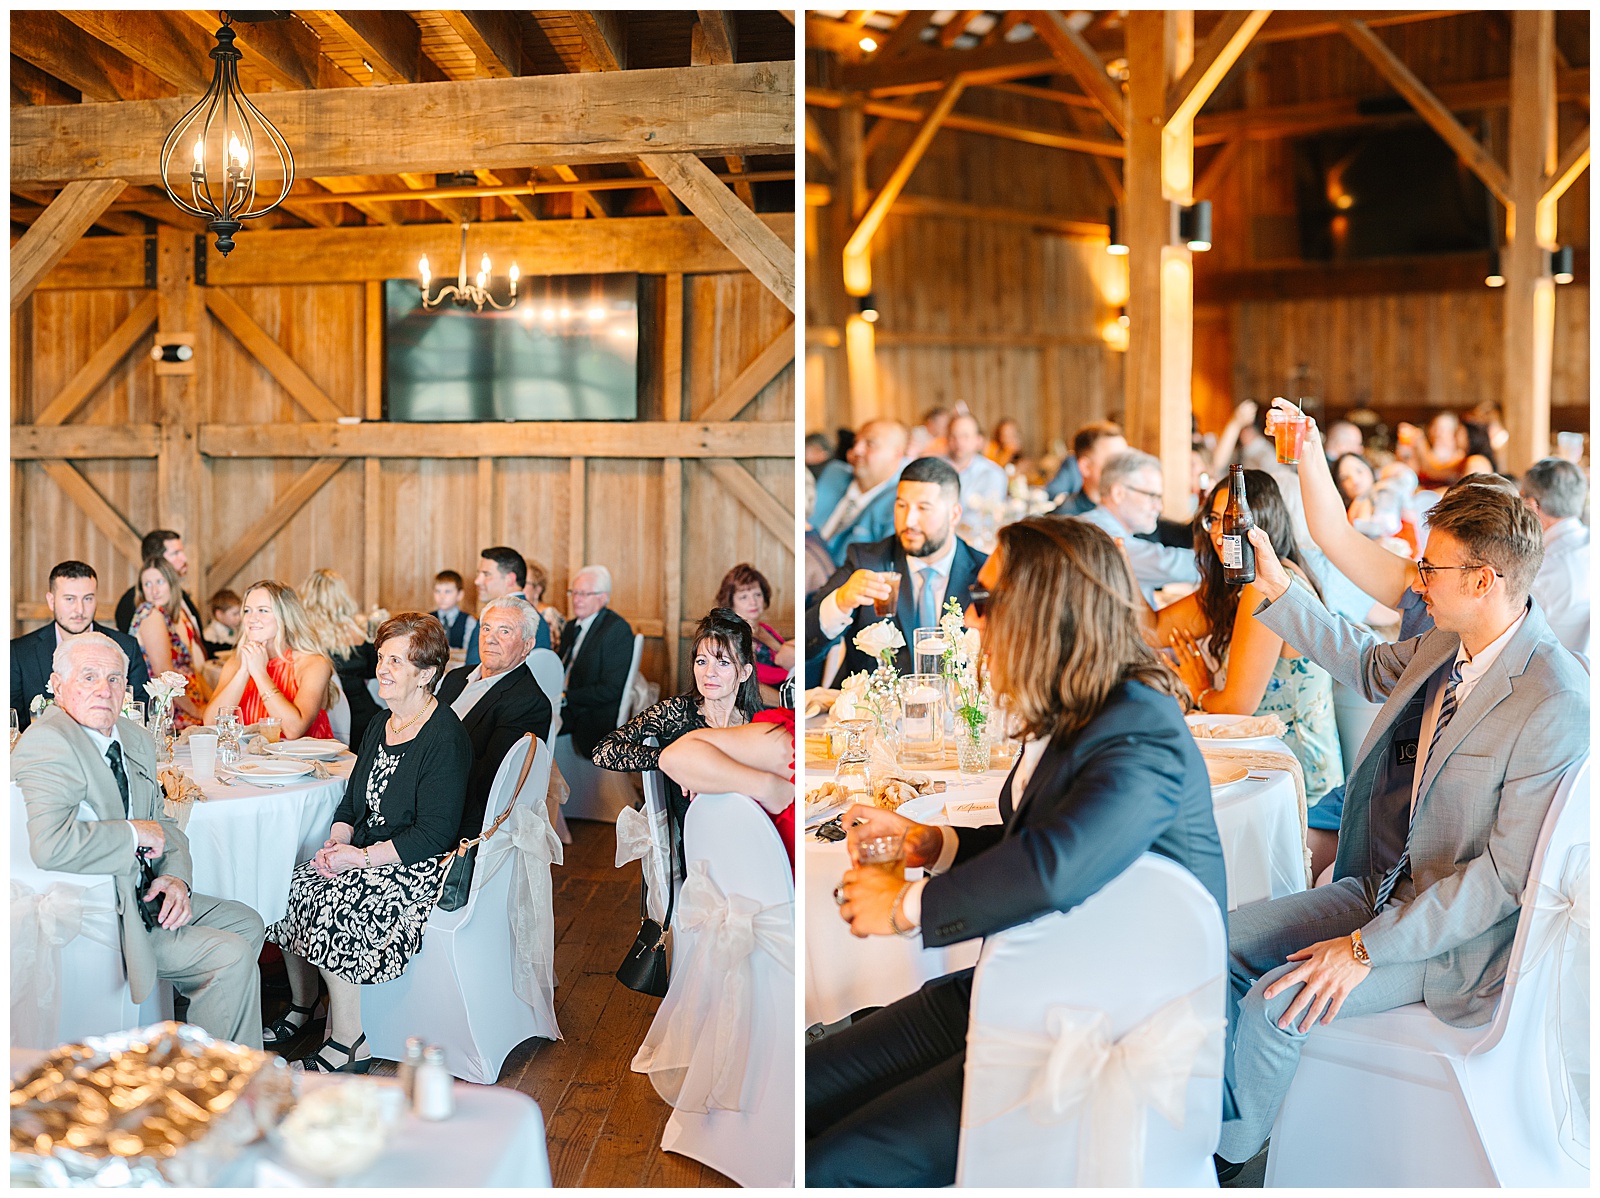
[886, 607]
[887, 853]
[1289, 432]
[271, 727]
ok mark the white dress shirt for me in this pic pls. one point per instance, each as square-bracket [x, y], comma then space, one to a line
[477, 687]
[832, 620]
[583, 627]
[1473, 668]
[102, 745]
[1562, 584]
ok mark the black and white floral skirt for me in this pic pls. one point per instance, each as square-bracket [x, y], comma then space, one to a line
[363, 925]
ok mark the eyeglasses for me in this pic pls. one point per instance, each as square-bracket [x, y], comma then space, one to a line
[1426, 570]
[583, 594]
[1209, 520]
[1141, 491]
[979, 600]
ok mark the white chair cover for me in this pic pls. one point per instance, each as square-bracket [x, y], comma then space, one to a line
[339, 714]
[631, 690]
[645, 836]
[484, 979]
[593, 793]
[545, 666]
[721, 1048]
[67, 975]
[1505, 1104]
[1103, 1076]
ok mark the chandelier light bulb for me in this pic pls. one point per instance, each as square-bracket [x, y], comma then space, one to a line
[484, 265]
[199, 153]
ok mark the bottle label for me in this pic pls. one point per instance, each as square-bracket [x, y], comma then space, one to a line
[1232, 552]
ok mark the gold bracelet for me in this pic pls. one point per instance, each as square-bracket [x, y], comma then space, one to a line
[1200, 699]
[367, 857]
[894, 924]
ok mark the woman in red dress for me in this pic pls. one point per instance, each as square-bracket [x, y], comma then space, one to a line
[756, 759]
[276, 669]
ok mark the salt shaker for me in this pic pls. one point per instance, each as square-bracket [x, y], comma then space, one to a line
[407, 1070]
[434, 1090]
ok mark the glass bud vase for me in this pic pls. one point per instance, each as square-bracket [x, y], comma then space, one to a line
[161, 732]
[972, 746]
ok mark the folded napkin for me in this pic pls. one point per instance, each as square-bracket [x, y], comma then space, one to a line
[180, 794]
[1250, 726]
[820, 699]
[1265, 759]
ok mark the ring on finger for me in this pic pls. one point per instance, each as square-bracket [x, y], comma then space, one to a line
[838, 895]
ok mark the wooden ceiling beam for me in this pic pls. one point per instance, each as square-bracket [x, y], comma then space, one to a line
[1213, 59]
[498, 439]
[286, 51]
[605, 38]
[1428, 106]
[30, 85]
[1056, 139]
[493, 36]
[955, 27]
[928, 66]
[1573, 162]
[521, 205]
[389, 41]
[346, 185]
[66, 219]
[860, 240]
[1083, 63]
[763, 253]
[721, 44]
[57, 47]
[1292, 25]
[541, 120]
[167, 44]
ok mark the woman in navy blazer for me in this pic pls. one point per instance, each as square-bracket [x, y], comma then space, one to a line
[1110, 772]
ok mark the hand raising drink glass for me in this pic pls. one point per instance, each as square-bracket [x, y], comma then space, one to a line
[887, 606]
[886, 853]
[1287, 427]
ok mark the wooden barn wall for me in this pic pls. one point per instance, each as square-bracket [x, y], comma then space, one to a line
[429, 513]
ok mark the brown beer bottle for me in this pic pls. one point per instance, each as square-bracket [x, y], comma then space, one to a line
[1238, 554]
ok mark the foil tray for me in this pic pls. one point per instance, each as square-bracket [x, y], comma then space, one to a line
[165, 1105]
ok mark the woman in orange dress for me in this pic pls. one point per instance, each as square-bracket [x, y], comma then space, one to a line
[169, 638]
[277, 670]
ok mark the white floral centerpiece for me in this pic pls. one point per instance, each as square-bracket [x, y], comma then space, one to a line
[873, 696]
[961, 660]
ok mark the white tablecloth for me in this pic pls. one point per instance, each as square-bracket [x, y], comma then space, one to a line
[496, 1138]
[1257, 822]
[246, 840]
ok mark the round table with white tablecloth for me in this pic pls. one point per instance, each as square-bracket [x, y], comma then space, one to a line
[1257, 821]
[245, 840]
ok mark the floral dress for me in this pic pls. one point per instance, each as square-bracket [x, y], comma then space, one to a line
[182, 659]
[1300, 693]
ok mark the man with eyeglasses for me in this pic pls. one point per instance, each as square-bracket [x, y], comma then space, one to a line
[597, 650]
[1130, 504]
[95, 807]
[1482, 717]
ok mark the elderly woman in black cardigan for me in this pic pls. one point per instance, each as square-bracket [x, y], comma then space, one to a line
[357, 909]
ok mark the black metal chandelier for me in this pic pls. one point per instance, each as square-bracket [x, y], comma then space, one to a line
[218, 139]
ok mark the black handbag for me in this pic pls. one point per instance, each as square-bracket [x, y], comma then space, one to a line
[457, 882]
[645, 967]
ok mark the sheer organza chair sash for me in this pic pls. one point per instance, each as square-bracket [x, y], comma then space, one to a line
[42, 923]
[1560, 927]
[1076, 1070]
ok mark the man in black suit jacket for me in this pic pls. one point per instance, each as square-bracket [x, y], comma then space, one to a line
[926, 512]
[597, 649]
[883, 1096]
[71, 599]
[498, 701]
[162, 542]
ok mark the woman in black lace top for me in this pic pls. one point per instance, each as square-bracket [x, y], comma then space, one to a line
[724, 694]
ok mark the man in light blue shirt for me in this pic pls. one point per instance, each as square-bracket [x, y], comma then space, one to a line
[1130, 502]
[981, 479]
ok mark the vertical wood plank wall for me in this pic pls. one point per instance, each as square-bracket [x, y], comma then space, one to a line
[428, 517]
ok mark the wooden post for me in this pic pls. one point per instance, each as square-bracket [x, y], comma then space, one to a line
[372, 468]
[1160, 273]
[181, 501]
[1529, 290]
[485, 501]
[672, 471]
[577, 478]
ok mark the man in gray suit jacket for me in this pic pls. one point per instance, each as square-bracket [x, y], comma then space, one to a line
[1481, 718]
[89, 781]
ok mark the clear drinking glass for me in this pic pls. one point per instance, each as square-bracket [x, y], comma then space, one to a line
[14, 732]
[854, 768]
[887, 853]
[228, 748]
[929, 644]
[137, 708]
[922, 719]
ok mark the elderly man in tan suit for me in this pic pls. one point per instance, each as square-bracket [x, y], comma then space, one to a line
[93, 801]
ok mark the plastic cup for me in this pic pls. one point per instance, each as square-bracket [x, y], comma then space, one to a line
[1290, 434]
[203, 755]
[886, 607]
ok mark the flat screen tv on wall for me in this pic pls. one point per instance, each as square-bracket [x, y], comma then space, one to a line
[568, 350]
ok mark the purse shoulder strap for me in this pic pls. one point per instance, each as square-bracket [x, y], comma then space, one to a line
[522, 778]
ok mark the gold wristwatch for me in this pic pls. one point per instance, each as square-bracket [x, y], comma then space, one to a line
[1359, 949]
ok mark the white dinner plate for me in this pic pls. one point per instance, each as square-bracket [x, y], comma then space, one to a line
[925, 809]
[308, 749]
[1222, 721]
[264, 771]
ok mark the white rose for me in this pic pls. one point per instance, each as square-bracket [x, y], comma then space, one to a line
[879, 638]
[844, 707]
[856, 683]
[971, 643]
[175, 680]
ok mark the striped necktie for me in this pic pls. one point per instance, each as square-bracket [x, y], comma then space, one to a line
[1447, 711]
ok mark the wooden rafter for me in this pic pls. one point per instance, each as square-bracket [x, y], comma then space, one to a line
[1083, 64]
[605, 37]
[1212, 62]
[1438, 117]
[861, 236]
[272, 356]
[1573, 162]
[167, 44]
[494, 38]
[531, 121]
[101, 363]
[765, 506]
[54, 45]
[287, 51]
[390, 42]
[760, 249]
[255, 538]
[66, 219]
[778, 354]
[1056, 139]
[817, 143]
